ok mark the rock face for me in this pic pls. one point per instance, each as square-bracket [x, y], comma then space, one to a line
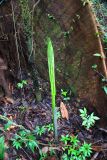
[72, 28]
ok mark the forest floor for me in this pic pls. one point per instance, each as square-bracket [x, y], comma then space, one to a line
[29, 116]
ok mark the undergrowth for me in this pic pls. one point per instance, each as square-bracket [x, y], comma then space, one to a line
[70, 146]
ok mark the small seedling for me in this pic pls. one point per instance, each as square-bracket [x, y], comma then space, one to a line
[58, 115]
[51, 68]
[65, 139]
[88, 120]
[21, 84]
[73, 150]
[86, 149]
[64, 94]
[94, 66]
[50, 127]
[66, 34]
[40, 130]
[104, 80]
[24, 138]
[51, 17]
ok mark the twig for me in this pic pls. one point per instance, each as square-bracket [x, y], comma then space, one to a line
[26, 154]
[96, 142]
[102, 129]
[95, 156]
[7, 119]
[100, 74]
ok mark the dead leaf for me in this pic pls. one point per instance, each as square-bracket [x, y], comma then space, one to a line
[99, 148]
[64, 111]
[96, 148]
[45, 149]
[48, 149]
[11, 128]
[9, 100]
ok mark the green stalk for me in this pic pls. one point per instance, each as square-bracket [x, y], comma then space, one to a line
[2, 148]
[51, 68]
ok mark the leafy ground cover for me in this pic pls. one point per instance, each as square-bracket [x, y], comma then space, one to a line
[27, 131]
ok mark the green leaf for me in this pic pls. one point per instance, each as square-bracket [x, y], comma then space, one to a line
[88, 120]
[96, 118]
[51, 68]
[19, 85]
[104, 80]
[97, 54]
[84, 123]
[50, 127]
[17, 144]
[74, 140]
[8, 125]
[32, 145]
[24, 82]
[2, 148]
[40, 130]
[97, 34]
[65, 138]
[105, 89]
[94, 66]
[81, 111]
[65, 157]
[64, 93]
[86, 149]
[22, 133]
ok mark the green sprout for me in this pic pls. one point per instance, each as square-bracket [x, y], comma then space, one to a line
[50, 127]
[22, 84]
[74, 150]
[51, 17]
[40, 130]
[64, 94]
[51, 67]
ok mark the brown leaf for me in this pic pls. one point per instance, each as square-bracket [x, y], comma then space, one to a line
[48, 149]
[96, 148]
[45, 149]
[64, 111]
[11, 128]
[9, 100]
